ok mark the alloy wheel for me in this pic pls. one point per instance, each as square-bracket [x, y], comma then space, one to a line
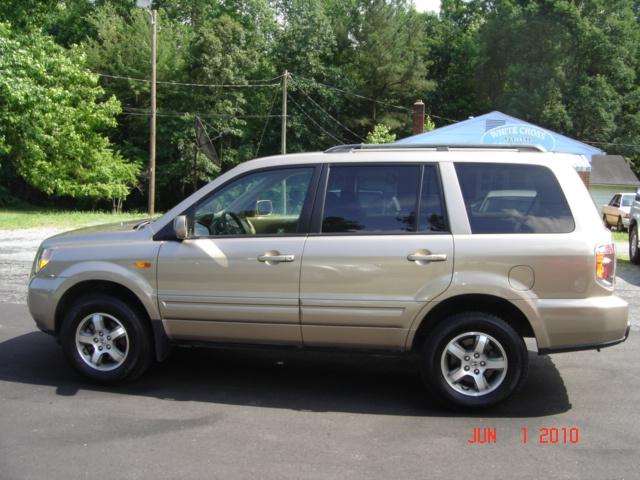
[102, 341]
[474, 364]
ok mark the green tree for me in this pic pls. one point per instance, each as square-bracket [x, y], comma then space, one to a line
[569, 66]
[454, 53]
[390, 58]
[565, 65]
[195, 46]
[381, 134]
[53, 121]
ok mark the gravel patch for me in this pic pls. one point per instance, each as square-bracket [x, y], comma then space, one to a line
[17, 251]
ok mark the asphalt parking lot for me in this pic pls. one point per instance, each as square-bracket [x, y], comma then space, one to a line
[258, 414]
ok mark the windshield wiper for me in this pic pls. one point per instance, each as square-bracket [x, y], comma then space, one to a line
[141, 224]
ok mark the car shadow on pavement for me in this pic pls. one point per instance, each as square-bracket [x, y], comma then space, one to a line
[304, 381]
[628, 272]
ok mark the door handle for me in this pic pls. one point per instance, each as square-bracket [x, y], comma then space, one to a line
[424, 257]
[276, 258]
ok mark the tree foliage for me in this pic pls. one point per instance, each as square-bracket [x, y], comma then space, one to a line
[53, 119]
[356, 67]
[381, 134]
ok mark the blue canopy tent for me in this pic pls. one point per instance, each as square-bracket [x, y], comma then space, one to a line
[497, 128]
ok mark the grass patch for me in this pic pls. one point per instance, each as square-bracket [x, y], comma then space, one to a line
[16, 218]
[620, 236]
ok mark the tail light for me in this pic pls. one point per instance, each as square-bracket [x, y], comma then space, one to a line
[606, 264]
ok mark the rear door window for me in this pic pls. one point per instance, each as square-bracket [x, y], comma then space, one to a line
[510, 198]
[432, 211]
[371, 199]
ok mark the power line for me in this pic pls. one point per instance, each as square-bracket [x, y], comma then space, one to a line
[342, 142]
[443, 118]
[331, 116]
[211, 85]
[200, 114]
[635, 145]
[372, 99]
[264, 129]
[357, 95]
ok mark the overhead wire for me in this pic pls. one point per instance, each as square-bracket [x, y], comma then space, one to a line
[443, 118]
[342, 142]
[634, 145]
[329, 115]
[264, 128]
[357, 95]
[200, 114]
[273, 82]
[205, 85]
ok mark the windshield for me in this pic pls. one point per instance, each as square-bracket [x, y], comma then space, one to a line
[627, 200]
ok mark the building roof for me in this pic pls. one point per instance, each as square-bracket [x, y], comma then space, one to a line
[498, 128]
[612, 170]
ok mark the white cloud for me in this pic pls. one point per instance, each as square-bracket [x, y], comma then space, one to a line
[427, 5]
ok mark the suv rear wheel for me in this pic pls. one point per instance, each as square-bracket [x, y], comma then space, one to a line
[105, 339]
[473, 360]
[634, 251]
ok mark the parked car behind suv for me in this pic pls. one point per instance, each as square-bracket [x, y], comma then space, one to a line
[634, 221]
[365, 248]
[616, 212]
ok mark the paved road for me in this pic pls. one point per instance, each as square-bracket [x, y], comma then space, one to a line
[232, 414]
[248, 414]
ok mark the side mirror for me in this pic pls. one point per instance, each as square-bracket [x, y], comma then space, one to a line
[180, 227]
[264, 207]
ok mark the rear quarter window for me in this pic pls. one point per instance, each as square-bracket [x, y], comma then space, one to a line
[510, 198]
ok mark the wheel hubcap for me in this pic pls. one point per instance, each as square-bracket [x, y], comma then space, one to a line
[474, 364]
[102, 341]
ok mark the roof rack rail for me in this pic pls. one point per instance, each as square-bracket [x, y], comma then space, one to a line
[437, 147]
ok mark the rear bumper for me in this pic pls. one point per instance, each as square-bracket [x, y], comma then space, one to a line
[582, 324]
[592, 346]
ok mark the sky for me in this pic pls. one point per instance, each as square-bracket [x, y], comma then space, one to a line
[427, 5]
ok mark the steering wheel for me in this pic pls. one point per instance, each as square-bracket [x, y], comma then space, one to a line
[230, 223]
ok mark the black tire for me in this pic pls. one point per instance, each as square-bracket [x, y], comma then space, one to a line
[139, 351]
[634, 253]
[447, 330]
[619, 225]
[606, 222]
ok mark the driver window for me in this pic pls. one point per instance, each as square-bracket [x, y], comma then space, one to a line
[262, 203]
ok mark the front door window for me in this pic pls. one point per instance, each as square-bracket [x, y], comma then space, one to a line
[262, 203]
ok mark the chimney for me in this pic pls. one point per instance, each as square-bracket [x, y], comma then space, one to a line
[418, 117]
[585, 176]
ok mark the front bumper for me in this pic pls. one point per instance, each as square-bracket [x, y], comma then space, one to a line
[583, 324]
[42, 300]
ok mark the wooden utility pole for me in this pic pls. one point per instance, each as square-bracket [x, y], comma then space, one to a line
[152, 136]
[283, 134]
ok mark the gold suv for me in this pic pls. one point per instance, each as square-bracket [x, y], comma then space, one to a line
[455, 254]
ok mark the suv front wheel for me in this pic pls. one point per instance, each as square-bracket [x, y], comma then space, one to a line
[473, 360]
[106, 339]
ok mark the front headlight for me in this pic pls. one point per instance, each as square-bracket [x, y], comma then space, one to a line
[43, 259]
